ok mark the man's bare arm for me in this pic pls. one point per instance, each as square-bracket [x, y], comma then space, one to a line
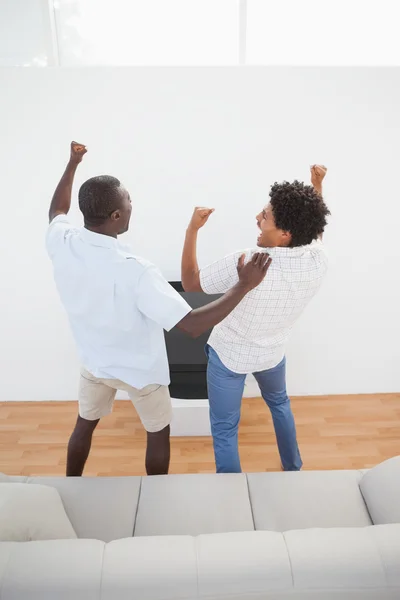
[61, 201]
[318, 173]
[190, 272]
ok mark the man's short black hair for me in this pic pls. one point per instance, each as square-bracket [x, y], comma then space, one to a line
[98, 198]
[300, 210]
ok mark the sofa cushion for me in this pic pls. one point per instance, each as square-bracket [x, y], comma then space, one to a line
[387, 539]
[298, 500]
[6, 549]
[59, 569]
[231, 565]
[193, 504]
[240, 565]
[351, 564]
[32, 512]
[381, 490]
[101, 508]
[153, 568]
[344, 558]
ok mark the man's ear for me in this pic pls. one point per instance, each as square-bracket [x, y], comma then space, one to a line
[115, 215]
[286, 237]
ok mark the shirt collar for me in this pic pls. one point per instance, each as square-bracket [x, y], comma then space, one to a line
[98, 239]
[282, 252]
[278, 252]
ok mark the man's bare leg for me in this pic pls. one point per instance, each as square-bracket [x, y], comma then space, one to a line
[158, 452]
[79, 446]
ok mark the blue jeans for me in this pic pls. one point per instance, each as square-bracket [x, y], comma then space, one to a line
[225, 392]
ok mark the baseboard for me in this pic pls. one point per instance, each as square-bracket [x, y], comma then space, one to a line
[190, 418]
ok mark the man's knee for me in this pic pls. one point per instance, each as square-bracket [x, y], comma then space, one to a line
[276, 398]
[159, 435]
[225, 428]
[84, 427]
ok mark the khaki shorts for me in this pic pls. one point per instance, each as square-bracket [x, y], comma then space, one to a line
[152, 403]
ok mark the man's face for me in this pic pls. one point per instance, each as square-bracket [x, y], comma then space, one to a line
[122, 215]
[270, 236]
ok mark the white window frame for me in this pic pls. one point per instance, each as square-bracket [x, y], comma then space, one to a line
[242, 32]
[51, 41]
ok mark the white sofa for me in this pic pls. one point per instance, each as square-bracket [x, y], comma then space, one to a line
[262, 536]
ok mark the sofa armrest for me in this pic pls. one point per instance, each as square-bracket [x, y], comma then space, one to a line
[380, 488]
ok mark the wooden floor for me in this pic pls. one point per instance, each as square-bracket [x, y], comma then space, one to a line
[343, 432]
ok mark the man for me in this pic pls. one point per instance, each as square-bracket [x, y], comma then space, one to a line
[118, 306]
[252, 338]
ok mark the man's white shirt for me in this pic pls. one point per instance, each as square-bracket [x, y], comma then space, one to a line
[118, 305]
[253, 337]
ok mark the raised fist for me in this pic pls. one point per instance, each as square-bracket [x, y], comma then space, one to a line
[318, 173]
[200, 217]
[77, 152]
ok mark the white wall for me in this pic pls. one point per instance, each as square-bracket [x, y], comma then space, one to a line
[178, 137]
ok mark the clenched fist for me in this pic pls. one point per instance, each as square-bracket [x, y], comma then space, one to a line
[318, 173]
[200, 217]
[77, 152]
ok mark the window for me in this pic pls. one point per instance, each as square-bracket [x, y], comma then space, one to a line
[25, 34]
[147, 32]
[74, 33]
[332, 32]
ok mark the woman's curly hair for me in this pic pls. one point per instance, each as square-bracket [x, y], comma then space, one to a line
[300, 210]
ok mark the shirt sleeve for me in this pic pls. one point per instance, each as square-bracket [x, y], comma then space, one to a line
[57, 233]
[221, 276]
[158, 300]
[318, 252]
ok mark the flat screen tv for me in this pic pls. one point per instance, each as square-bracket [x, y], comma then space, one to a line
[186, 356]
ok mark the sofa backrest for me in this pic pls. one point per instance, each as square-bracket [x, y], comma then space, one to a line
[111, 508]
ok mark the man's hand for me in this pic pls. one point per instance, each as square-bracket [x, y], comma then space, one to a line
[200, 217]
[252, 274]
[77, 152]
[318, 173]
